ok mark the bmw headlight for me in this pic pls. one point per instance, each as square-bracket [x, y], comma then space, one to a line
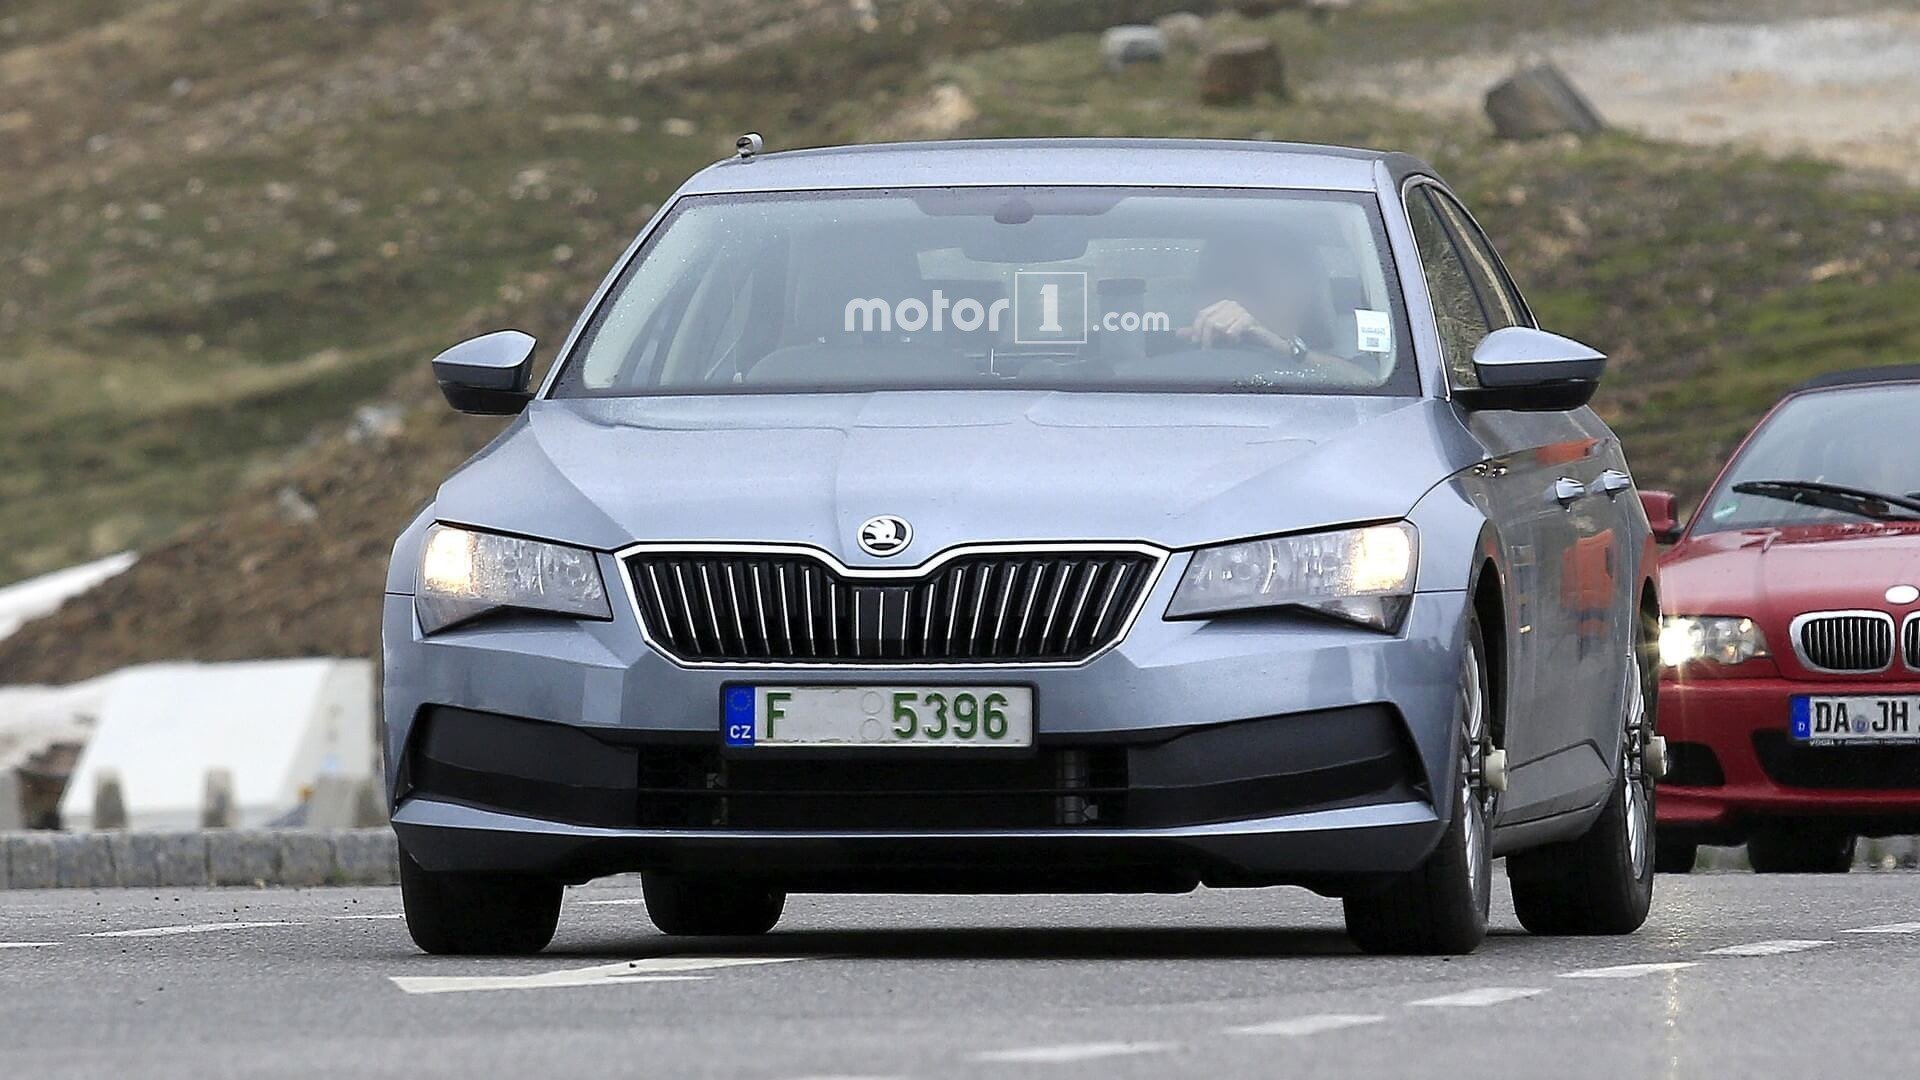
[1361, 575]
[464, 574]
[1723, 639]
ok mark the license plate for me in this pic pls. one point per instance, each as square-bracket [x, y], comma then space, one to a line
[1878, 718]
[965, 717]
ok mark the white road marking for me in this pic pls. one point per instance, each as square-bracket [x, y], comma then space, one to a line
[1307, 1025]
[654, 969]
[193, 928]
[27, 944]
[625, 901]
[1767, 948]
[1888, 928]
[1628, 971]
[350, 918]
[1474, 999]
[1071, 1052]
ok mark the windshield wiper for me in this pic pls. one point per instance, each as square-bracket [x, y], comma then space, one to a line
[1847, 500]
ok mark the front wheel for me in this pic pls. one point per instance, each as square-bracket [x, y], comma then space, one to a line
[1602, 882]
[452, 914]
[1440, 907]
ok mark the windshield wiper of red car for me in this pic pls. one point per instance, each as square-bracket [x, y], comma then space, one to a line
[1847, 500]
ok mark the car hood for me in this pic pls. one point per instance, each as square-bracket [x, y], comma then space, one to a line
[960, 466]
[1772, 575]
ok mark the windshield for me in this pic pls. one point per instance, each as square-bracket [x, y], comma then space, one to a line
[1850, 439]
[1059, 288]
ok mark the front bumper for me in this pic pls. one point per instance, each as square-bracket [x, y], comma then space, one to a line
[1735, 765]
[1228, 733]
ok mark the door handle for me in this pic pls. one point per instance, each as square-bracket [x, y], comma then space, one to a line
[1568, 491]
[1613, 482]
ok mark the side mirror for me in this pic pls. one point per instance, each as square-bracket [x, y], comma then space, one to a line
[1663, 515]
[487, 376]
[1521, 368]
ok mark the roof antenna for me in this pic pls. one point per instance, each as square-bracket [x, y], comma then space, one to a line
[747, 145]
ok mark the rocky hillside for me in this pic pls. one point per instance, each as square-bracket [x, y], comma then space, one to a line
[192, 385]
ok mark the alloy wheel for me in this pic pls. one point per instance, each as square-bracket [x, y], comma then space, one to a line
[1476, 796]
[1638, 819]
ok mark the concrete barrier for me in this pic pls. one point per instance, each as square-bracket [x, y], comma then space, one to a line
[292, 858]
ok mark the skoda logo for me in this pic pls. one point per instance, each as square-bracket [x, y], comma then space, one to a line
[885, 535]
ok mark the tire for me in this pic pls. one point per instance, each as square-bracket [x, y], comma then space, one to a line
[1440, 907]
[1671, 856]
[710, 906]
[1787, 850]
[1602, 882]
[477, 914]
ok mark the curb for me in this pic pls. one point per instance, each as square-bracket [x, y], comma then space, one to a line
[293, 858]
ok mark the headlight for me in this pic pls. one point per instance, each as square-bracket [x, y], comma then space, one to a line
[464, 574]
[1723, 639]
[1362, 575]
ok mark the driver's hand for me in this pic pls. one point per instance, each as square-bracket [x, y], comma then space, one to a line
[1226, 320]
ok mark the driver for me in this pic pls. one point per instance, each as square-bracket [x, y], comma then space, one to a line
[1267, 302]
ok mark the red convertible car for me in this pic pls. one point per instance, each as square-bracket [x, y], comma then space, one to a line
[1790, 643]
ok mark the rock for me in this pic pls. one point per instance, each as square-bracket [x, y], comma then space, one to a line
[242, 857]
[1234, 71]
[1539, 101]
[295, 508]
[82, 861]
[109, 801]
[1184, 30]
[1325, 9]
[1125, 46]
[30, 861]
[377, 423]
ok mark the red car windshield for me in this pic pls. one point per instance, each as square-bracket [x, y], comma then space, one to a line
[1828, 457]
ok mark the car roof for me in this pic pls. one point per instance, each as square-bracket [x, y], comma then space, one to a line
[1040, 162]
[1889, 373]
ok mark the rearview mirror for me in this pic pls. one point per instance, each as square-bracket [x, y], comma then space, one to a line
[1663, 515]
[488, 375]
[1526, 369]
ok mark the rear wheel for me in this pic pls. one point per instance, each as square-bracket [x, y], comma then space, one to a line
[1779, 849]
[477, 914]
[1440, 907]
[1601, 883]
[710, 906]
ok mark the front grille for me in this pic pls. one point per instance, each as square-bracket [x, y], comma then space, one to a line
[1913, 642]
[1851, 641]
[1837, 768]
[1023, 607]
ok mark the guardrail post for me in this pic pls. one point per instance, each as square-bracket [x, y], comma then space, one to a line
[109, 801]
[216, 806]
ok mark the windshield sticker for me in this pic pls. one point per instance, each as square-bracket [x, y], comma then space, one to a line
[1376, 330]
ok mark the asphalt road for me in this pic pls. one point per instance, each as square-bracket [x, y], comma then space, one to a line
[1743, 977]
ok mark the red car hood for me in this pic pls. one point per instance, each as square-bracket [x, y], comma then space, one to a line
[1772, 575]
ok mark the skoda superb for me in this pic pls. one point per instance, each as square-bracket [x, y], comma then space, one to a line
[1050, 515]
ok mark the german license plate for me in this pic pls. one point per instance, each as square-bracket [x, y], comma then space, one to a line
[1877, 718]
[966, 717]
